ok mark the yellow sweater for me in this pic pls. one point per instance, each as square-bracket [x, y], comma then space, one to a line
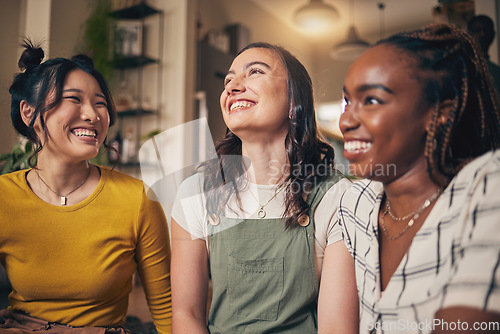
[74, 264]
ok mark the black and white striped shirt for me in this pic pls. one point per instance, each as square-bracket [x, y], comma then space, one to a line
[453, 259]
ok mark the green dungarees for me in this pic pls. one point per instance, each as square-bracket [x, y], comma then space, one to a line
[263, 275]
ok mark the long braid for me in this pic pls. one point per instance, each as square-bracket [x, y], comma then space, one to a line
[453, 69]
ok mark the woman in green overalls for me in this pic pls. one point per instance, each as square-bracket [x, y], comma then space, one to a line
[262, 229]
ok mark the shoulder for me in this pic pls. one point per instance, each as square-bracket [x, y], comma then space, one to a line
[357, 206]
[191, 186]
[336, 191]
[13, 179]
[486, 164]
[362, 193]
[115, 176]
[121, 187]
[478, 175]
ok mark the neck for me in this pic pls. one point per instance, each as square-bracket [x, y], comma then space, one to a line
[62, 177]
[410, 191]
[268, 161]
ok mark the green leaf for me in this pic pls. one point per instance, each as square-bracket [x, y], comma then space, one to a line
[4, 156]
[17, 150]
[28, 147]
[7, 167]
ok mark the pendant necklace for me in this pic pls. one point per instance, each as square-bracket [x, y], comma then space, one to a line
[64, 198]
[415, 214]
[262, 213]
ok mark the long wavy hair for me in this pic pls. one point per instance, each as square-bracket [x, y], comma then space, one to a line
[41, 85]
[452, 67]
[310, 158]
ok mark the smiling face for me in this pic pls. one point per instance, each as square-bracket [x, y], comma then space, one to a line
[78, 125]
[255, 95]
[385, 118]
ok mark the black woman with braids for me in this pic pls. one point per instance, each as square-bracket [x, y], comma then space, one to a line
[262, 229]
[424, 235]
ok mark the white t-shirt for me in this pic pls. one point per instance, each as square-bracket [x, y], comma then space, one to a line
[189, 211]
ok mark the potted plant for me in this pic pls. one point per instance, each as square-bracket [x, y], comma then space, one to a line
[18, 158]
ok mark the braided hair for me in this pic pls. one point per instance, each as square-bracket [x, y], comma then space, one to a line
[41, 84]
[452, 68]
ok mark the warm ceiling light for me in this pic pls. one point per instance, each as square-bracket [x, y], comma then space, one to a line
[316, 15]
[351, 48]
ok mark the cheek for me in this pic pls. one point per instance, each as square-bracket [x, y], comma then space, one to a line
[280, 95]
[104, 116]
[222, 100]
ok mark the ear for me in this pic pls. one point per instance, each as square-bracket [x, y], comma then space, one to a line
[26, 111]
[445, 108]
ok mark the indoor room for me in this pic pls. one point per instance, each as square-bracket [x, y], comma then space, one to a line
[166, 63]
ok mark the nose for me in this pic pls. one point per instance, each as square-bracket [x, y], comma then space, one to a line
[89, 114]
[348, 120]
[235, 86]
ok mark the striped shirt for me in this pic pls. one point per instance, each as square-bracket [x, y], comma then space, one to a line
[453, 259]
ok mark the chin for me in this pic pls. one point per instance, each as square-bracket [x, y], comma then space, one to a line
[376, 172]
[89, 155]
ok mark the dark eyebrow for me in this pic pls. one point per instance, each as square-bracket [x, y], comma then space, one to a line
[72, 90]
[257, 63]
[252, 64]
[366, 87]
[76, 90]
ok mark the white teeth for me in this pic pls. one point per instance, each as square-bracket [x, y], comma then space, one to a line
[240, 104]
[85, 133]
[356, 145]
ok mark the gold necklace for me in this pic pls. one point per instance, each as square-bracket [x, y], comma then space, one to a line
[64, 198]
[416, 214]
[262, 213]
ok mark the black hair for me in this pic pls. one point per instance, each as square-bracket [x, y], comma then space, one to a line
[39, 80]
[452, 67]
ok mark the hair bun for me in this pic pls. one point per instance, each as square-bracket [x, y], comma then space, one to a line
[31, 57]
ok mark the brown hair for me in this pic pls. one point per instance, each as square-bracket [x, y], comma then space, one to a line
[310, 158]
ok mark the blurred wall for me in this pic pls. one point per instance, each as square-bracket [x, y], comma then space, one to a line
[9, 40]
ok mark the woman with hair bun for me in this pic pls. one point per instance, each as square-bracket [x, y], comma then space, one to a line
[72, 233]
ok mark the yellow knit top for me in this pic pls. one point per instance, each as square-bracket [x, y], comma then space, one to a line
[74, 264]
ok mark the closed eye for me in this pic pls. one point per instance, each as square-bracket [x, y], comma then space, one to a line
[72, 97]
[255, 71]
[102, 104]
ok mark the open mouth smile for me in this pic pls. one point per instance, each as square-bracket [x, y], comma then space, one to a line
[239, 105]
[357, 146]
[90, 133]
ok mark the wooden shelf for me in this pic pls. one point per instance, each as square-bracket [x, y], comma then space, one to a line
[132, 62]
[135, 112]
[135, 12]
